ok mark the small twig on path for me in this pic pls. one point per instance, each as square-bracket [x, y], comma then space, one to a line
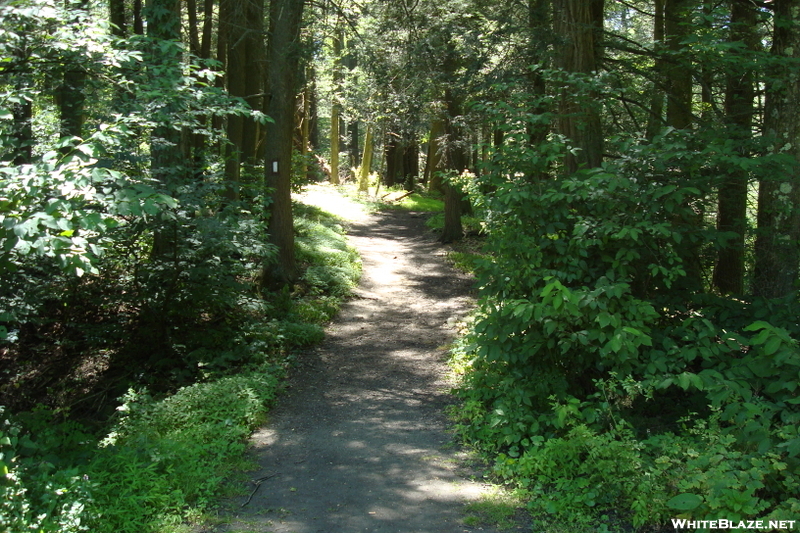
[258, 483]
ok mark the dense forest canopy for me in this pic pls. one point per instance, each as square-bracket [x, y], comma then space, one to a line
[632, 165]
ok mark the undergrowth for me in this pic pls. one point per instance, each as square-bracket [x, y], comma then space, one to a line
[163, 459]
[600, 378]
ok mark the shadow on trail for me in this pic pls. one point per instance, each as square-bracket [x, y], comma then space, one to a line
[360, 441]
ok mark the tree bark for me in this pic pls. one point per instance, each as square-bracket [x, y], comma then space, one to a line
[579, 22]
[678, 70]
[433, 163]
[411, 163]
[253, 84]
[164, 25]
[336, 107]
[283, 70]
[456, 162]
[732, 196]
[366, 162]
[116, 15]
[71, 98]
[777, 251]
[236, 54]
[655, 120]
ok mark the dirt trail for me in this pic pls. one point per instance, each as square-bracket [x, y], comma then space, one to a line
[360, 442]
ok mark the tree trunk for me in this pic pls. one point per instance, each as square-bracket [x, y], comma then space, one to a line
[732, 196]
[305, 128]
[391, 148]
[284, 52]
[138, 21]
[253, 85]
[541, 26]
[655, 120]
[411, 164]
[336, 107]
[166, 159]
[208, 26]
[777, 252]
[366, 162]
[116, 15]
[353, 140]
[335, 148]
[194, 33]
[678, 70]
[456, 162]
[580, 22]
[71, 98]
[433, 162]
[236, 64]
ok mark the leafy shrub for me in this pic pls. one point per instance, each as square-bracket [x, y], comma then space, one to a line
[598, 370]
[165, 457]
[39, 490]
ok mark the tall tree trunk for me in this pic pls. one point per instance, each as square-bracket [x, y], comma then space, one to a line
[208, 27]
[540, 24]
[283, 71]
[353, 141]
[164, 30]
[366, 162]
[116, 15]
[678, 70]
[777, 250]
[455, 161]
[235, 21]
[305, 127]
[194, 33]
[732, 196]
[336, 107]
[200, 45]
[254, 86]
[433, 163]
[164, 25]
[580, 22]
[138, 21]
[411, 163]
[70, 96]
[391, 149]
[655, 119]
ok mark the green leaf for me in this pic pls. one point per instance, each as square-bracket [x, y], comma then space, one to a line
[685, 502]
[772, 345]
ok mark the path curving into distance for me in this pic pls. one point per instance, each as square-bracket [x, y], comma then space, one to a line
[360, 441]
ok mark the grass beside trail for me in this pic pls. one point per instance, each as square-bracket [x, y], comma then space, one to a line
[165, 461]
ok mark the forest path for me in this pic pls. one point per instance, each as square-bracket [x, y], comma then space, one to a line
[360, 441]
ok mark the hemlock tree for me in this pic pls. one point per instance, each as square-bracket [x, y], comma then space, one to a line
[777, 251]
[284, 52]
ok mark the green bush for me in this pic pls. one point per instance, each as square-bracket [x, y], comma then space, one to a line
[40, 490]
[165, 460]
[166, 457]
[598, 369]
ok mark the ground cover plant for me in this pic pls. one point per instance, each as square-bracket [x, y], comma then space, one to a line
[167, 454]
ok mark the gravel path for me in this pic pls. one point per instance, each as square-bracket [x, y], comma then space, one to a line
[360, 442]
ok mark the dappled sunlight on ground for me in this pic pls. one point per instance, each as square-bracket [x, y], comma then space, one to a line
[361, 442]
[326, 197]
